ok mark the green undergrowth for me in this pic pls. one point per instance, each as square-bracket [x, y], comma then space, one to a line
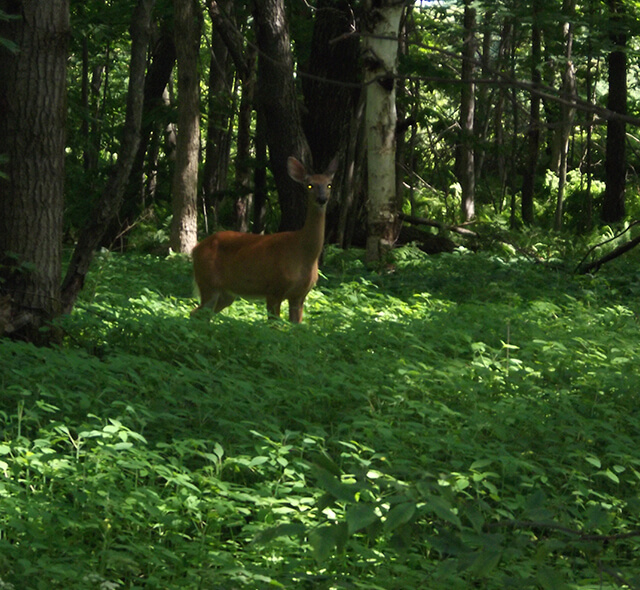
[456, 421]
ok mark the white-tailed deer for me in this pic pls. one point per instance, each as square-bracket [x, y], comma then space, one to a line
[275, 267]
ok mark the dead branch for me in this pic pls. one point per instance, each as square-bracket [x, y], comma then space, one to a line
[619, 251]
[595, 265]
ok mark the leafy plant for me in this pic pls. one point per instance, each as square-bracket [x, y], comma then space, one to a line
[466, 420]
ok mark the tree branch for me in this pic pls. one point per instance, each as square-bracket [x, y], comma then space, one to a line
[619, 251]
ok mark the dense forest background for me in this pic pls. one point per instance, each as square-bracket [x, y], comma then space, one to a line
[459, 408]
[158, 122]
[522, 97]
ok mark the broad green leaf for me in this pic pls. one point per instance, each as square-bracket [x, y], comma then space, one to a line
[610, 475]
[484, 562]
[360, 516]
[594, 461]
[443, 509]
[399, 515]
[325, 539]
[340, 491]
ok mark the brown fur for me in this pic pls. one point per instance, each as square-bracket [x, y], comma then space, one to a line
[275, 267]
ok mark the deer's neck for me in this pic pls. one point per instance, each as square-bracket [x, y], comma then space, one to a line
[313, 230]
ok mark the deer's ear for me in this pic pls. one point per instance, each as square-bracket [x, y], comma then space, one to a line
[333, 166]
[296, 170]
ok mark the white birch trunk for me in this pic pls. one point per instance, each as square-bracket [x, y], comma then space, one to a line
[381, 64]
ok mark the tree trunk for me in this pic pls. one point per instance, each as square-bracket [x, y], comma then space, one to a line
[32, 127]
[353, 179]
[503, 66]
[511, 167]
[108, 205]
[220, 104]
[485, 95]
[533, 131]
[613, 207]
[380, 63]
[244, 194]
[87, 158]
[591, 75]
[465, 165]
[96, 110]
[184, 226]
[569, 93]
[278, 101]
[158, 74]
[163, 59]
[260, 175]
[331, 89]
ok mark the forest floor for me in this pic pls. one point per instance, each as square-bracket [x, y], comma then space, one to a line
[456, 421]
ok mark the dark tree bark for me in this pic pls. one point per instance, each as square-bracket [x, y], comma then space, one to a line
[485, 96]
[155, 113]
[330, 85]
[591, 75]
[533, 130]
[330, 81]
[260, 175]
[613, 207]
[87, 159]
[32, 127]
[353, 180]
[220, 102]
[108, 205]
[277, 99]
[568, 112]
[244, 193]
[595, 265]
[98, 90]
[499, 122]
[188, 22]
[163, 57]
[243, 55]
[465, 164]
[511, 162]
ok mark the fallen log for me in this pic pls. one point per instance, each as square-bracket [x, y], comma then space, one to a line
[619, 251]
[425, 241]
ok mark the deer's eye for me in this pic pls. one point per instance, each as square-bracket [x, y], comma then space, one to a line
[329, 186]
[310, 187]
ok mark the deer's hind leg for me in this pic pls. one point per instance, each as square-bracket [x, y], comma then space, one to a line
[216, 300]
[296, 306]
[223, 300]
[273, 307]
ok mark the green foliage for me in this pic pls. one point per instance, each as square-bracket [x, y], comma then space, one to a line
[7, 44]
[461, 421]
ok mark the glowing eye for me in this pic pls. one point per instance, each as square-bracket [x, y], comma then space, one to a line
[310, 187]
[329, 186]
